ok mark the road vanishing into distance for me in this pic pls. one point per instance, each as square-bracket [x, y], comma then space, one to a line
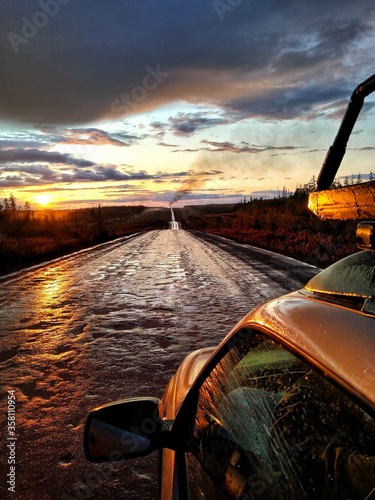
[110, 323]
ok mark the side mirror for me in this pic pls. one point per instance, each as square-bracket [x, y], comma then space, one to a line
[125, 429]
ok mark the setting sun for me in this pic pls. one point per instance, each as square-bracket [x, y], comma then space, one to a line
[42, 199]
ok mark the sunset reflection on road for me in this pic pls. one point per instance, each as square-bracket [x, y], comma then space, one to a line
[103, 325]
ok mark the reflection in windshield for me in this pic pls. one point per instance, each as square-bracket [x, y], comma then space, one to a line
[267, 426]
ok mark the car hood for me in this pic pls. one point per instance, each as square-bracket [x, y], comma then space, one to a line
[351, 279]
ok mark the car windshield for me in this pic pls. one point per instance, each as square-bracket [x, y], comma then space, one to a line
[269, 426]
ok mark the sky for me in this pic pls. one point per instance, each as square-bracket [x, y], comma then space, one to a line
[150, 102]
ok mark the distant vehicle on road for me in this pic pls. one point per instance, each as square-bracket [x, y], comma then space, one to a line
[284, 407]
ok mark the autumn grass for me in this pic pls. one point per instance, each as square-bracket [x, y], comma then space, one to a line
[282, 225]
[319, 249]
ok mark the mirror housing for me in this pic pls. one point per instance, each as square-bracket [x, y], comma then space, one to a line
[124, 429]
[355, 202]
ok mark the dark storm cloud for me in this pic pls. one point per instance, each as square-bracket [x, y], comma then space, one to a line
[76, 62]
[40, 171]
[185, 124]
[158, 130]
[101, 174]
[17, 175]
[297, 102]
[34, 174]
[110, 173]
[11, 181]
[40, 155]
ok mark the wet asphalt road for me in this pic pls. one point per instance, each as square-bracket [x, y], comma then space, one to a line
[111, 323]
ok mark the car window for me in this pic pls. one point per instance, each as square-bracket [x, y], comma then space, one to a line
[266, 425]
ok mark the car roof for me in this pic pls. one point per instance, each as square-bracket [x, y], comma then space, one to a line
[336, 339]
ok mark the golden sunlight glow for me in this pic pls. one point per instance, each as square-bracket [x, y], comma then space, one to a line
[42, 199]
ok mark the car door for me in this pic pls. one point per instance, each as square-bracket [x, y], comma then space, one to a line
[263, 423]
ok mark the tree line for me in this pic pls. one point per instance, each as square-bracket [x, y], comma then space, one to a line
[27, 235]
[283, 224]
